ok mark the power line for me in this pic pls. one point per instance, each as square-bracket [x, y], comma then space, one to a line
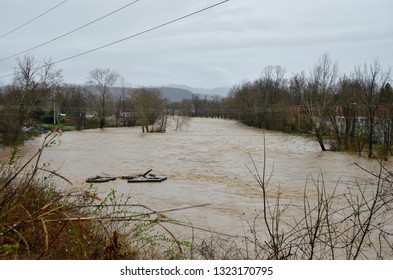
[30, 21]
[142, 32]
[136, 34]
[72, 31]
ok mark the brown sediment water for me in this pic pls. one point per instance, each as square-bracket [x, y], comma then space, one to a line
[207, 161]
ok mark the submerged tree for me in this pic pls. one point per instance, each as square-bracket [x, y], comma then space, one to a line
[371, 79]
[386, 115]
[351, 134]
[103, 80]
[148, 106]
[318, 98]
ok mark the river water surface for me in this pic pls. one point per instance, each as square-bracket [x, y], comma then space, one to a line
[206, 162]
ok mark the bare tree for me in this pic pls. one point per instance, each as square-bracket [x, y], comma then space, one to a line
[386, 119]
[276, 97]
[32, 85]
[103, 80]
[273, 81]
[297, 88]
[317, 99]
[181, 121]
[148, 106]
[120, 102]
[347, 95]
[372, 79]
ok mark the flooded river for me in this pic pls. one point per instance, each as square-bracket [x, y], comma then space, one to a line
[206, 162]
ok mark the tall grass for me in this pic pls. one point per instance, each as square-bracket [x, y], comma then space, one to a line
[39, 220]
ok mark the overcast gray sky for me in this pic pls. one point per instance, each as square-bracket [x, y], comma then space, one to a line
[220, 47]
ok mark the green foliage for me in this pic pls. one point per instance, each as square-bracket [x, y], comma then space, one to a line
[9, 250]
[12, 159]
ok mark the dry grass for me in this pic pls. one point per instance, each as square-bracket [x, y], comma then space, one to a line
[38, 221]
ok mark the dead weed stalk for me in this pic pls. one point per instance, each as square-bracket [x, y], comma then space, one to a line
[351, 222]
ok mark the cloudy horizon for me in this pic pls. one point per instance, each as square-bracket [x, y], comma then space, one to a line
[219, 47]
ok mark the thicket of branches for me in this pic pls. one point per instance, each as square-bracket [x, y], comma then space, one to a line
[330, 222]
[343, 112]
[32, 89]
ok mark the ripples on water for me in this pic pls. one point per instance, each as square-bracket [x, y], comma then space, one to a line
[206, 162]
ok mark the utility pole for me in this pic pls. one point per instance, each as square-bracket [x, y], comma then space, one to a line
[54, 107]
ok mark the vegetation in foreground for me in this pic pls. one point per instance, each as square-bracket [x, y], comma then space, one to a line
[40, 221]
[40, 218]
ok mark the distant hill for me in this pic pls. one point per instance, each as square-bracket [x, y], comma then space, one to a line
[220, 91]
[175, 94]
[172, 94]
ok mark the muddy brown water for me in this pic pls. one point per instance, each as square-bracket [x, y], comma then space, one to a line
[206, 162]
